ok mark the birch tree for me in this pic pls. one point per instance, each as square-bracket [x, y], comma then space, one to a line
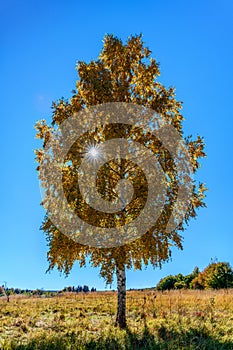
[122, 74]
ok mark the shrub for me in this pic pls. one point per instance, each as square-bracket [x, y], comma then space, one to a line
[167, 283]
[180, 285]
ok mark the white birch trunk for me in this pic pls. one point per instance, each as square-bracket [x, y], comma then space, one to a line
[121, 306]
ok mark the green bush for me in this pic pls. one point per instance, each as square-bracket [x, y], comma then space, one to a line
[167, 283]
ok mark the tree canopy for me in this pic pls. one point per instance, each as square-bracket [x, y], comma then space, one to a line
[123, 73]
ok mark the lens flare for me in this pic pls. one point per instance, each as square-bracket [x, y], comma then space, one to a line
[93, 153]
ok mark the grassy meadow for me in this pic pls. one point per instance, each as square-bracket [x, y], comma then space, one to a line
[169, 320]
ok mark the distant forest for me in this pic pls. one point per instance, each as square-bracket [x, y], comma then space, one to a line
[4, 291]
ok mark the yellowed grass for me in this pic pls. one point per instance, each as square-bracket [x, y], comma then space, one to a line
[167, 316]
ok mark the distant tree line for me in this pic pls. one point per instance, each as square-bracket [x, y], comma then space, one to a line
[79, 289]
[216, 275]
[41, 292]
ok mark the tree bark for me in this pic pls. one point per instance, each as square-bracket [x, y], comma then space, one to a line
[121, 289]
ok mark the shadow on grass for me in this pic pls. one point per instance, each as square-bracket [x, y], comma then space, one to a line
[161, 340]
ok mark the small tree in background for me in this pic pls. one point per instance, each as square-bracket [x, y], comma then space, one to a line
[85, 289]
[216, 275]
[122, 73]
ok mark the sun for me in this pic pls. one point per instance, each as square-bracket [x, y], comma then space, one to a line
[93, 153]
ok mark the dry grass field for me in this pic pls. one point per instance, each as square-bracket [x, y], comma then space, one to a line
[170, 320]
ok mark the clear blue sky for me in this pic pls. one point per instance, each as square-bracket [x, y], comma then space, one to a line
[40, 44]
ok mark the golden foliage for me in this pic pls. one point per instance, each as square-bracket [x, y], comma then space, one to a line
[122, 73]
